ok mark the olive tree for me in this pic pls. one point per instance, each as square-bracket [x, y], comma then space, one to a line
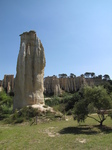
[100, 99]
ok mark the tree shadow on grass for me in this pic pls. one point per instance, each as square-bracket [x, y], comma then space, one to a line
[105, 129]
[85, 129]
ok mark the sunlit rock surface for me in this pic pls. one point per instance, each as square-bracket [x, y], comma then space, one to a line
[29, 85]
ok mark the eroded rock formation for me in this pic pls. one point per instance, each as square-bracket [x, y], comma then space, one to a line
[52, 86]
[68, 84]
[1, 85]
[29, 85]
[8, 83]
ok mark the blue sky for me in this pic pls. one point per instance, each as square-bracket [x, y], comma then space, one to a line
[76, 34]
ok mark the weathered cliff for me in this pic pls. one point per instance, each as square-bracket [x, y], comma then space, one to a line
[1, 85]
[52, 86]
[8, 83]
[71, 84]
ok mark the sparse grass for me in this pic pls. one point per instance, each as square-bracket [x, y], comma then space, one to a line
[57, 135]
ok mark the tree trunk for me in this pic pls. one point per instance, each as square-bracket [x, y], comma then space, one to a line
[101, 123]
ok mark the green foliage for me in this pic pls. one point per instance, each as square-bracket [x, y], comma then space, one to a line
[5, 99]
[107, 86]
[106, 77]
[91, 108]
[110, 115]
[70, 102]
[89, 74]
[4, 109]
[64, 103]
[27, 114]
[5, 105]
[24, 114]
[92, 96]
[98, 96]
[52, 101]
[63, 75]
[80, 111]
[87, 100]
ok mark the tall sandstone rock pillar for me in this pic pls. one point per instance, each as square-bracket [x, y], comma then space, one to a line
[29, 79]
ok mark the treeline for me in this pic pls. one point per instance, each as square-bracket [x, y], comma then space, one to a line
[86, 75]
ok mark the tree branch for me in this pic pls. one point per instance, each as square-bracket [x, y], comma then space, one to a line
[99, 117]
[93, 118]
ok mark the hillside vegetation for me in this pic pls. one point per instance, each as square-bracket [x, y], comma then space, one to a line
[95, 99]
[80, 104]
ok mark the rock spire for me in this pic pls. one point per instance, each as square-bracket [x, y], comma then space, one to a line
[29, 85]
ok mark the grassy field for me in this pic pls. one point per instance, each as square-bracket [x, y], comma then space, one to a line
[57, 135]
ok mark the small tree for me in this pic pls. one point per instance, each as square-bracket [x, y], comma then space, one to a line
[100, 76]
[87, 74]
[72, 75]
[92, 74]
[100, 99]
[106, 77]
[63, 75]
[80, 111]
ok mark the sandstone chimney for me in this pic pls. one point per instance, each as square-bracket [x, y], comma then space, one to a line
[30, 71]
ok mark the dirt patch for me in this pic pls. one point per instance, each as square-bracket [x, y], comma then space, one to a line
[81, 140]
[50, 132]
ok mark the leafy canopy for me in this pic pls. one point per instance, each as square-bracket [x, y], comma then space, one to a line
[100, 100]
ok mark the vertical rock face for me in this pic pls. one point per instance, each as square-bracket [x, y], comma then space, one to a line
[8, 83]
[52, 86]
[1, 83]
[1, 86]
[71, 84]
[30, 71]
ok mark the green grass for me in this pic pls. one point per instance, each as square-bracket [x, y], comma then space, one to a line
[57, 135]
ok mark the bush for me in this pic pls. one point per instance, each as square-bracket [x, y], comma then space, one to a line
[64, 103]
[5, 105]
[71, 101]
[19, 120]
[6, 110]
[23, 114]
[53, 101]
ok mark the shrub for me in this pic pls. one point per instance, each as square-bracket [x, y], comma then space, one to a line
[23, 114]
[5, 105]
[53, 101]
